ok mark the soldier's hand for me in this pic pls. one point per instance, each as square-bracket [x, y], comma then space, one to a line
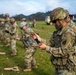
[17, 39]
[42, 46]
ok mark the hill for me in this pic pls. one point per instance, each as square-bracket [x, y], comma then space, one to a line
[39, 16]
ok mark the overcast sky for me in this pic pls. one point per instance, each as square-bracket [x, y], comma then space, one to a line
[28, 7]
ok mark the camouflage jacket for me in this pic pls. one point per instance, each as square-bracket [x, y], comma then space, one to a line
[72, 25]
[13, 30]
[27, 38]
[7, 25]
[63, 43]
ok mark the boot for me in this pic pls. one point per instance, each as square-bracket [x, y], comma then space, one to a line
[27, 70]
[35, 67]
[13, 54]
[7, 45]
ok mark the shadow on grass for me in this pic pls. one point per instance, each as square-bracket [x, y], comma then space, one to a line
[40, 72]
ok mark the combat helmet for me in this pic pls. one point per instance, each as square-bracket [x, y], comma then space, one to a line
[12, 20]
[7, 14]
[58, 13]
[23, 19]
[66, 11]
[23, 24]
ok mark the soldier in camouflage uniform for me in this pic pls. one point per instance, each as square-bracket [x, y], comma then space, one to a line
[62, 45]
[13, 31]
[6, 30]
[1, 28]
[31, 43]
[69, 21]
[34, 23]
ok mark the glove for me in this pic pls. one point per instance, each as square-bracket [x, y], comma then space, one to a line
[12, 33]
[6, 31]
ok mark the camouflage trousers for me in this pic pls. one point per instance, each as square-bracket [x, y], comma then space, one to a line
[13, 46]
[1, 34]
[34, 25]
[29, 61]
[64, 72]
[7, 38]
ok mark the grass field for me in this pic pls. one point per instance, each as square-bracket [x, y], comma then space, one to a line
[42, 57]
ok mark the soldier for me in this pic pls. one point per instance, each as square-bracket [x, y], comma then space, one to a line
[6, 30]
[23, 20]
[31, 41]
[13, 30]
[62, 45]
[69, 21]
[1, 28]
[34, 23]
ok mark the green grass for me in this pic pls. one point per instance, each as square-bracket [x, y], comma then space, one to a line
[42, 57]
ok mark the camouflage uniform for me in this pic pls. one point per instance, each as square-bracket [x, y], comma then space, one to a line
[29, 61]
[1, 28]
[6, 31]
[69, 21]
[62, 43]
[13, 34]
[72, 24]
[34, 23]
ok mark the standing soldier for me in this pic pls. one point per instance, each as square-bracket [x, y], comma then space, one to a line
[1, 28]
[23, 20]
[62, 44]
[6, 30]
[31, 40]
[13, 30]
[34, 23]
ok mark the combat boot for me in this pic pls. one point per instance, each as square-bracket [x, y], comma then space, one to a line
[7, 45]
[27, 70]
[35, 67]
[13, 54]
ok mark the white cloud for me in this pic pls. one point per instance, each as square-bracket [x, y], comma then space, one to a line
[28, 7]
[66, 4]
[51, 4]
[17, 7]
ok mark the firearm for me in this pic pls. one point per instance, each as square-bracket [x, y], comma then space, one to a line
[25, 42]
[29, 42]
[6, 31]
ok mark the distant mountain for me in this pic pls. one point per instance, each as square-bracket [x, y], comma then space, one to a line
[39, 16]
[19, 17]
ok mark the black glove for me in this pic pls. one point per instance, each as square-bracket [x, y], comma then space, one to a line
[6, 31]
